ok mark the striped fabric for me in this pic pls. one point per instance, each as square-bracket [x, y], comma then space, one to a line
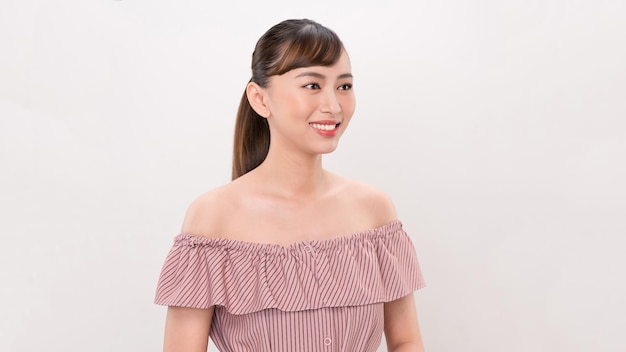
[325, 295]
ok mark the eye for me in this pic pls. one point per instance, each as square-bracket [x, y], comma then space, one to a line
[346, 86]
[312, 86]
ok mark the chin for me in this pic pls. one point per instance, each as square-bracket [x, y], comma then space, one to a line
[325, 149]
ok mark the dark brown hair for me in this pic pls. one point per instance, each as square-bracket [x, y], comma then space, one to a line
[287, 45]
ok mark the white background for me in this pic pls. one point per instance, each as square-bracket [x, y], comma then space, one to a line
[497, 127]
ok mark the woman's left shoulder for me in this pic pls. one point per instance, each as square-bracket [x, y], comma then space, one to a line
[372, 200]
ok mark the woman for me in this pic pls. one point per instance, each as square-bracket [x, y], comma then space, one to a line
[289, 256]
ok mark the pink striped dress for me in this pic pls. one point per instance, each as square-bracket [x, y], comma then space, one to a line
[325, 295]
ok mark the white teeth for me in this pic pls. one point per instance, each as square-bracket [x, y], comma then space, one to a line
[319, 126]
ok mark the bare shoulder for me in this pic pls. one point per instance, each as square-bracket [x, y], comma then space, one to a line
[205, 213]
[371, 200]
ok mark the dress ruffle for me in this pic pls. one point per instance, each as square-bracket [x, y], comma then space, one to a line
[372, 266]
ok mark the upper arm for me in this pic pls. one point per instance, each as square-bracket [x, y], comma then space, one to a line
[402, 330]
[187, 329]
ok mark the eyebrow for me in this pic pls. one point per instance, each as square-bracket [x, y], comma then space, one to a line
[321, 76]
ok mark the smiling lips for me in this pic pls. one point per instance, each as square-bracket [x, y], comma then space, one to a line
[325, 128]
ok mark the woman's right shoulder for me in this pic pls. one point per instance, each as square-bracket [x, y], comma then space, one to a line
[207, 213]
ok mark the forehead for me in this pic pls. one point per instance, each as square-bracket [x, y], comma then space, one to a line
[340, 67]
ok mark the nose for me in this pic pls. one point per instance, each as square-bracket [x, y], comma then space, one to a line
[330, 102]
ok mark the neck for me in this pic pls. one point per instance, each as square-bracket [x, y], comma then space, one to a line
[293, 175]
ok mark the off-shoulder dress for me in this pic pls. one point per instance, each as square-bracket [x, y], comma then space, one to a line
[325, 295]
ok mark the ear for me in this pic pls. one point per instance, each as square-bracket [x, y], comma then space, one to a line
[256, 97]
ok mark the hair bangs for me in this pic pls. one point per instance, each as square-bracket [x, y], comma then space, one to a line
[312, 46]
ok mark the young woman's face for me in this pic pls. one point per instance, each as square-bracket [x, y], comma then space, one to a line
[310, 107]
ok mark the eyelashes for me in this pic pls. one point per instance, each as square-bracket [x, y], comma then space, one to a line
[312, 86]
[346, 86]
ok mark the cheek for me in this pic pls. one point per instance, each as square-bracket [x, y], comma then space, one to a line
[290, 103]
[348, 104]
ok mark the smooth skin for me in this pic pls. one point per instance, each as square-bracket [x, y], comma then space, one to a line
[283, 200]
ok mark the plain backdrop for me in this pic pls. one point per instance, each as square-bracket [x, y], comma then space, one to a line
[496, 126]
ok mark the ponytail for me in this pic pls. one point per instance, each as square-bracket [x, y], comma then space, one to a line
[252, 139]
